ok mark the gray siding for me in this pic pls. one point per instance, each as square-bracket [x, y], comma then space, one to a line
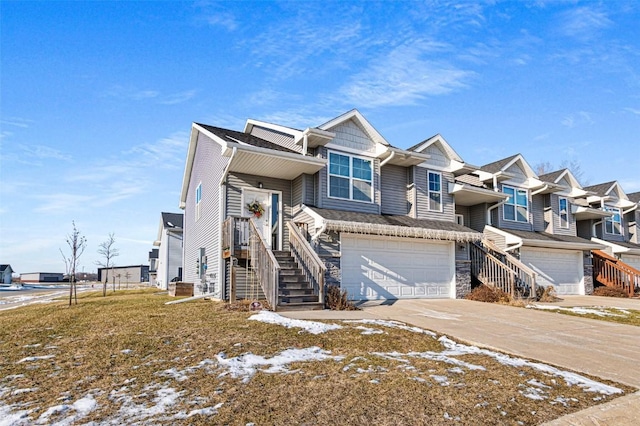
[332, 203]
[554, 214]
[422, 197]
[497, 239]
[274, 136]
[477, 217]
[634, 227]
[208, 166]
[297, 190]
[540, 213]
[583, 229]
[411, 191]
[309, 195]
[237, 181]
[393, 190]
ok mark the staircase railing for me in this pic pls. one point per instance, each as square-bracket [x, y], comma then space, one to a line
[265, 265]
[612, 272]
[308, 260]
[525, 276]
[235, 235]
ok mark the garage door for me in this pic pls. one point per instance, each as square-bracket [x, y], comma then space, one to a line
[396, 268]
[631, 260]
[561, 268]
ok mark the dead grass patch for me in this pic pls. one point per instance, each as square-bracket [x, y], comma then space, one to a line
[132, 344]
[610, 292]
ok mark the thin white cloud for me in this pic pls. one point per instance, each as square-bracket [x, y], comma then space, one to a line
[407, 74]
[225, 20]
[634, 111]
[584, 22]
[43, 152]
[16, 122]
[579, 118]
[62, 202]
[178, 98]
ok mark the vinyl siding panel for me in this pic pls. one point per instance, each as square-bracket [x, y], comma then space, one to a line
[538, 212]
[393, 190]
[297, 190]
[554, 209]
[422, 196]
[411, 191]
[477, 217]
[438, 157]
[498, 240]
[208, 166]
[279, 138]
[309, 183]
[350, 135]
[237, 181]
[339, 204]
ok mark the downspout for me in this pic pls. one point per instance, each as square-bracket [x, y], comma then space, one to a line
[166, 276]
[389, 158]
[493, 207]
[222, 215]
[544, 188]
[305, 143]
[593, 228]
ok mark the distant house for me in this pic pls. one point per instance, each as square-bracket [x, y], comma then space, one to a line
[42, 277]
[153, 266]
[124, 274]
[5, 274]
[169, 243]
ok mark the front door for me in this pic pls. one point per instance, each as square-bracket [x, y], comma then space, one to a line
[263, 207]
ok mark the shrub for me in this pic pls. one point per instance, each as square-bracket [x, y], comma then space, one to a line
[488, 294]
[610, 292]
[546, 294]
[336, 300]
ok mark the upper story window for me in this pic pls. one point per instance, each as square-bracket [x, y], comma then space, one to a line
[613, 224]
[198, 200]
[563, 213]
[517, 206]
[435, 191]
[350, 178]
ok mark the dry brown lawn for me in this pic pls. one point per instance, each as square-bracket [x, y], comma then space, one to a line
[143, 362]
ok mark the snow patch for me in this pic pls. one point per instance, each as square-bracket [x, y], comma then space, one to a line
[393, 324]
[312, 327]
[35, 358]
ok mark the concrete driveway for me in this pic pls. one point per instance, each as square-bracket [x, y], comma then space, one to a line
[599, 348]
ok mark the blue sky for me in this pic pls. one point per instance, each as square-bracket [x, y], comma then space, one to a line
[97, 98]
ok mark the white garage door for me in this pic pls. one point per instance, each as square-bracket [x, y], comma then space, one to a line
[561, 268]
[631, 260]
[396, 268]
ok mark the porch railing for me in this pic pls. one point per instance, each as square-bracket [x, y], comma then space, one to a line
[264, 264]
[612, 272]
[235, 235]
[310, 263]
[525, 276]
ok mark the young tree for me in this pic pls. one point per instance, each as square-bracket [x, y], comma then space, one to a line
[107, 250]
[77, 243]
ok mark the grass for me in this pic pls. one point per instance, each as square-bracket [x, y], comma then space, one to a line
[120, 346]
[617, 315]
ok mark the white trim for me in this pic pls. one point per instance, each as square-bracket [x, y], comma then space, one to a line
[269, 193]
[567, 210]
[350, 178]
[609, 208]
[439, 174]
[198, 200]
[515, 204]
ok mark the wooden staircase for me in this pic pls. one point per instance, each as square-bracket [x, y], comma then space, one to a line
[612, 272]
[295, 292]
[494, 267]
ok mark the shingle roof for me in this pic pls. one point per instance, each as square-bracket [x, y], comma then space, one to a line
[626, 244]
[172, 220]
[414, 147]
[600, 188]
[471, 179]
[634, 196]
[496, 166]
[154, 253]
[3, 267]
[544, 236]
[551, 177]
[392, 220]
[234, 136]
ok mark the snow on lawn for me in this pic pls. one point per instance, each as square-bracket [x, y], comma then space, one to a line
[312, 327]
[35, 358]
[600, 311]
[392, 324]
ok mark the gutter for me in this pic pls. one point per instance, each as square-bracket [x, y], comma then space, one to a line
[544, 188]
[389, 158]
[493, 207]
[515, 247]
[630, 210]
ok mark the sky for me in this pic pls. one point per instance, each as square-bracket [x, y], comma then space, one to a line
[97, 98]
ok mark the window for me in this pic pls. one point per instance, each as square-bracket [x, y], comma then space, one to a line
[516, 208]
[350, 178]
[613, 224]
[460, 219]
[198, 199]
[435, 191]
[563, 212]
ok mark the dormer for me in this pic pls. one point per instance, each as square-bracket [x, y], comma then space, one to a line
[442, 156]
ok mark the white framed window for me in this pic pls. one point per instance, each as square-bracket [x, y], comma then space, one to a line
[563, 212]
[613, 224]
[517, 206]
[350, 177]
[434, 180]
[198, 200]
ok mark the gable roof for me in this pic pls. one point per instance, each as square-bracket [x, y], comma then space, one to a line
[601, 189]
[172, 220]
[355, 115]
[634, 196]
[4, 267]
[439, 140]
[553, 177]
[499, 165]
[234, 136]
